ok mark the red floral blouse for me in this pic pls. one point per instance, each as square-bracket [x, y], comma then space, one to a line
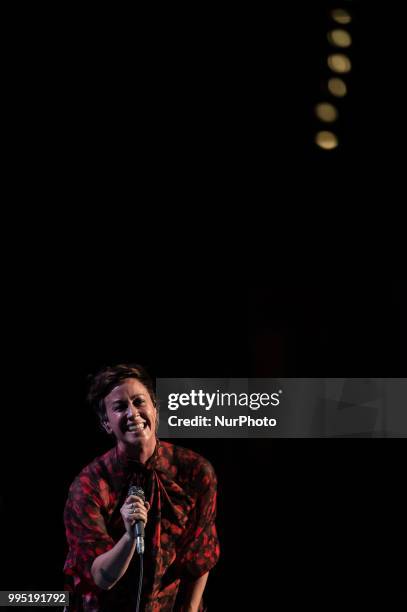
[180, 539]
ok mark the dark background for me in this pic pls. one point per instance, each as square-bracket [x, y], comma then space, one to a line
[180, 216]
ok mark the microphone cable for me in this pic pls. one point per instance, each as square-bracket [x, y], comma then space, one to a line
[140, 582]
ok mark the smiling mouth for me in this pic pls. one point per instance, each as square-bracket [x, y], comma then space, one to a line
[137, 426]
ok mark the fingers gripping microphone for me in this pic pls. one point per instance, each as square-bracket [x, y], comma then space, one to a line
[138, 525]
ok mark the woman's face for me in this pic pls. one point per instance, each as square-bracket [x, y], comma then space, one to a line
[130, 414]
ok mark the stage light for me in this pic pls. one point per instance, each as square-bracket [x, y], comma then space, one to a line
[337, 87]
[326, 140]
[338, 62]
[341, 16]
[326, 112]
[340, 38]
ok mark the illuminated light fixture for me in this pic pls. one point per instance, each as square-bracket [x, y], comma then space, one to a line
[338, 62]
[340, 38]
[337, 87]
[326, 112]
[341, 16]
[326, 140]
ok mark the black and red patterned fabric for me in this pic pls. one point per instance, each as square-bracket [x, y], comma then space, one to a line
[181, 539]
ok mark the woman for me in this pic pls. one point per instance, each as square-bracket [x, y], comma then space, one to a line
[181, 544]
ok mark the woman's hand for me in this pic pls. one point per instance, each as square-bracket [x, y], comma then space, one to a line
[134, 509]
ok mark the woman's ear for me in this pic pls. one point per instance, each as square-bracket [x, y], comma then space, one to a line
[106, 426]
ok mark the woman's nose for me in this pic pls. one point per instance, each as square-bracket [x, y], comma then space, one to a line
[131, 410]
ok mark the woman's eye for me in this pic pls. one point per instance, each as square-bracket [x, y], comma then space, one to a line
[120, 407]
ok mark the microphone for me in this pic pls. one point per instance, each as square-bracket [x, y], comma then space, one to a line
[138, 525]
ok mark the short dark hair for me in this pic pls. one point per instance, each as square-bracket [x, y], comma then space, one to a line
[102, 383]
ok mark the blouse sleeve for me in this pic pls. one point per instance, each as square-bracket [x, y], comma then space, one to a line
[86, 531]
[199, 550]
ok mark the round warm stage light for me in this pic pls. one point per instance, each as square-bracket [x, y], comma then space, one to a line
[341, 16]
[326, 112]
[340, 38]
[326, 140]
[337, 87]
[338, 62]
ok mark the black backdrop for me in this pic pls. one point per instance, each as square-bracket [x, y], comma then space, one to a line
[159, 275]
